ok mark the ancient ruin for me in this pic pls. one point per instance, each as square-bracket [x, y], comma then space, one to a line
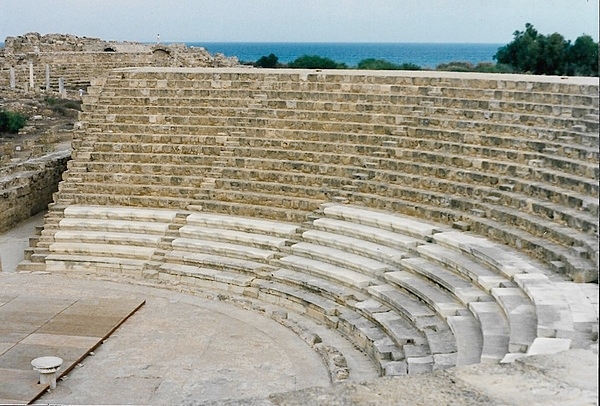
[433, 219]
[37, 62]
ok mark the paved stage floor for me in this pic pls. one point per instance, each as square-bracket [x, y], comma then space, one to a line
[33, 326]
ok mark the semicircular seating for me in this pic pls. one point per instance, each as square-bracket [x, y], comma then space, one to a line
[432, 219]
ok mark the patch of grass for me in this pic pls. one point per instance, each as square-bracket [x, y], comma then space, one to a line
[64, 107]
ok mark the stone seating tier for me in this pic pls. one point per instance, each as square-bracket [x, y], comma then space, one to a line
[407, 313]
[356, 122]
[347, 111]
[303, 190]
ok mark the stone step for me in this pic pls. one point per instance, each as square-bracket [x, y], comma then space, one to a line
[223, 249]
[342, 259]
[235, 237]
[328, 271]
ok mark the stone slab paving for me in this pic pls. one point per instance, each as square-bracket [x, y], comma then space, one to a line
[180, 349]
[39, 325]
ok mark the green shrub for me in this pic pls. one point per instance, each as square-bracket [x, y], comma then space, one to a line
[382, 64]
[269, 61]
[316, 62]
[456, 66]
[11, 122]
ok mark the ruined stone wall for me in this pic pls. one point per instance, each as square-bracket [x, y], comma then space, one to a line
[79, 59]
[26, 188]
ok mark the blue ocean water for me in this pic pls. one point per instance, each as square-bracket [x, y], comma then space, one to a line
[422, 54]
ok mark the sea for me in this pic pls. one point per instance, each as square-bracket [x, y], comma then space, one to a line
[426, 55]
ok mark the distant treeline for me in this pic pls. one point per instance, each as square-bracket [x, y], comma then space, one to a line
[529, 52]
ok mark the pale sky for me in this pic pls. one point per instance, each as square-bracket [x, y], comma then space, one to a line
[474, 21]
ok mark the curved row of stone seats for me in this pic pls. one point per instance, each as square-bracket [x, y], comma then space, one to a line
[357, 288]
[318, 268]
[112, 239]
[574, 219]
[233, 254]
[496, 269]
[325, 292]
[477, 109]
[490, 171]
[311, 120]
[454, 87]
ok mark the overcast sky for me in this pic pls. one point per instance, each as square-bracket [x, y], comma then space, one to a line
[483, 21]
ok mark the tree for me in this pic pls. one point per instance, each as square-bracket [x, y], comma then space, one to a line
[316, 62]
[522, 53]
[270, 61]
[582, 57]
[531, 52]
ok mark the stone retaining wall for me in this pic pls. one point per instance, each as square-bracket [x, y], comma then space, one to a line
[77, 60]
[26, 188]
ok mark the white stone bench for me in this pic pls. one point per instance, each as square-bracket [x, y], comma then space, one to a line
[439, 300]
[208, 278]
[216, 261]
[482, 276]
[341, 258]
[245, 224]
[382, 220]
[461, 288]
[584, 309]
[120, 226]
[469, 339]
[521, 315]
[302, 301]
[233, 236]
[328, 271]
[326, 288]
[355, 246]
[120, 213]
[507, 262]
[368, 233]
[102, 250]
[62, 263]
[96, 237]
[553, 311]
[222, 249]
[495, 330]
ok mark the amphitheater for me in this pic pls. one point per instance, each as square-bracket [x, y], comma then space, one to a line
[433, 220]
